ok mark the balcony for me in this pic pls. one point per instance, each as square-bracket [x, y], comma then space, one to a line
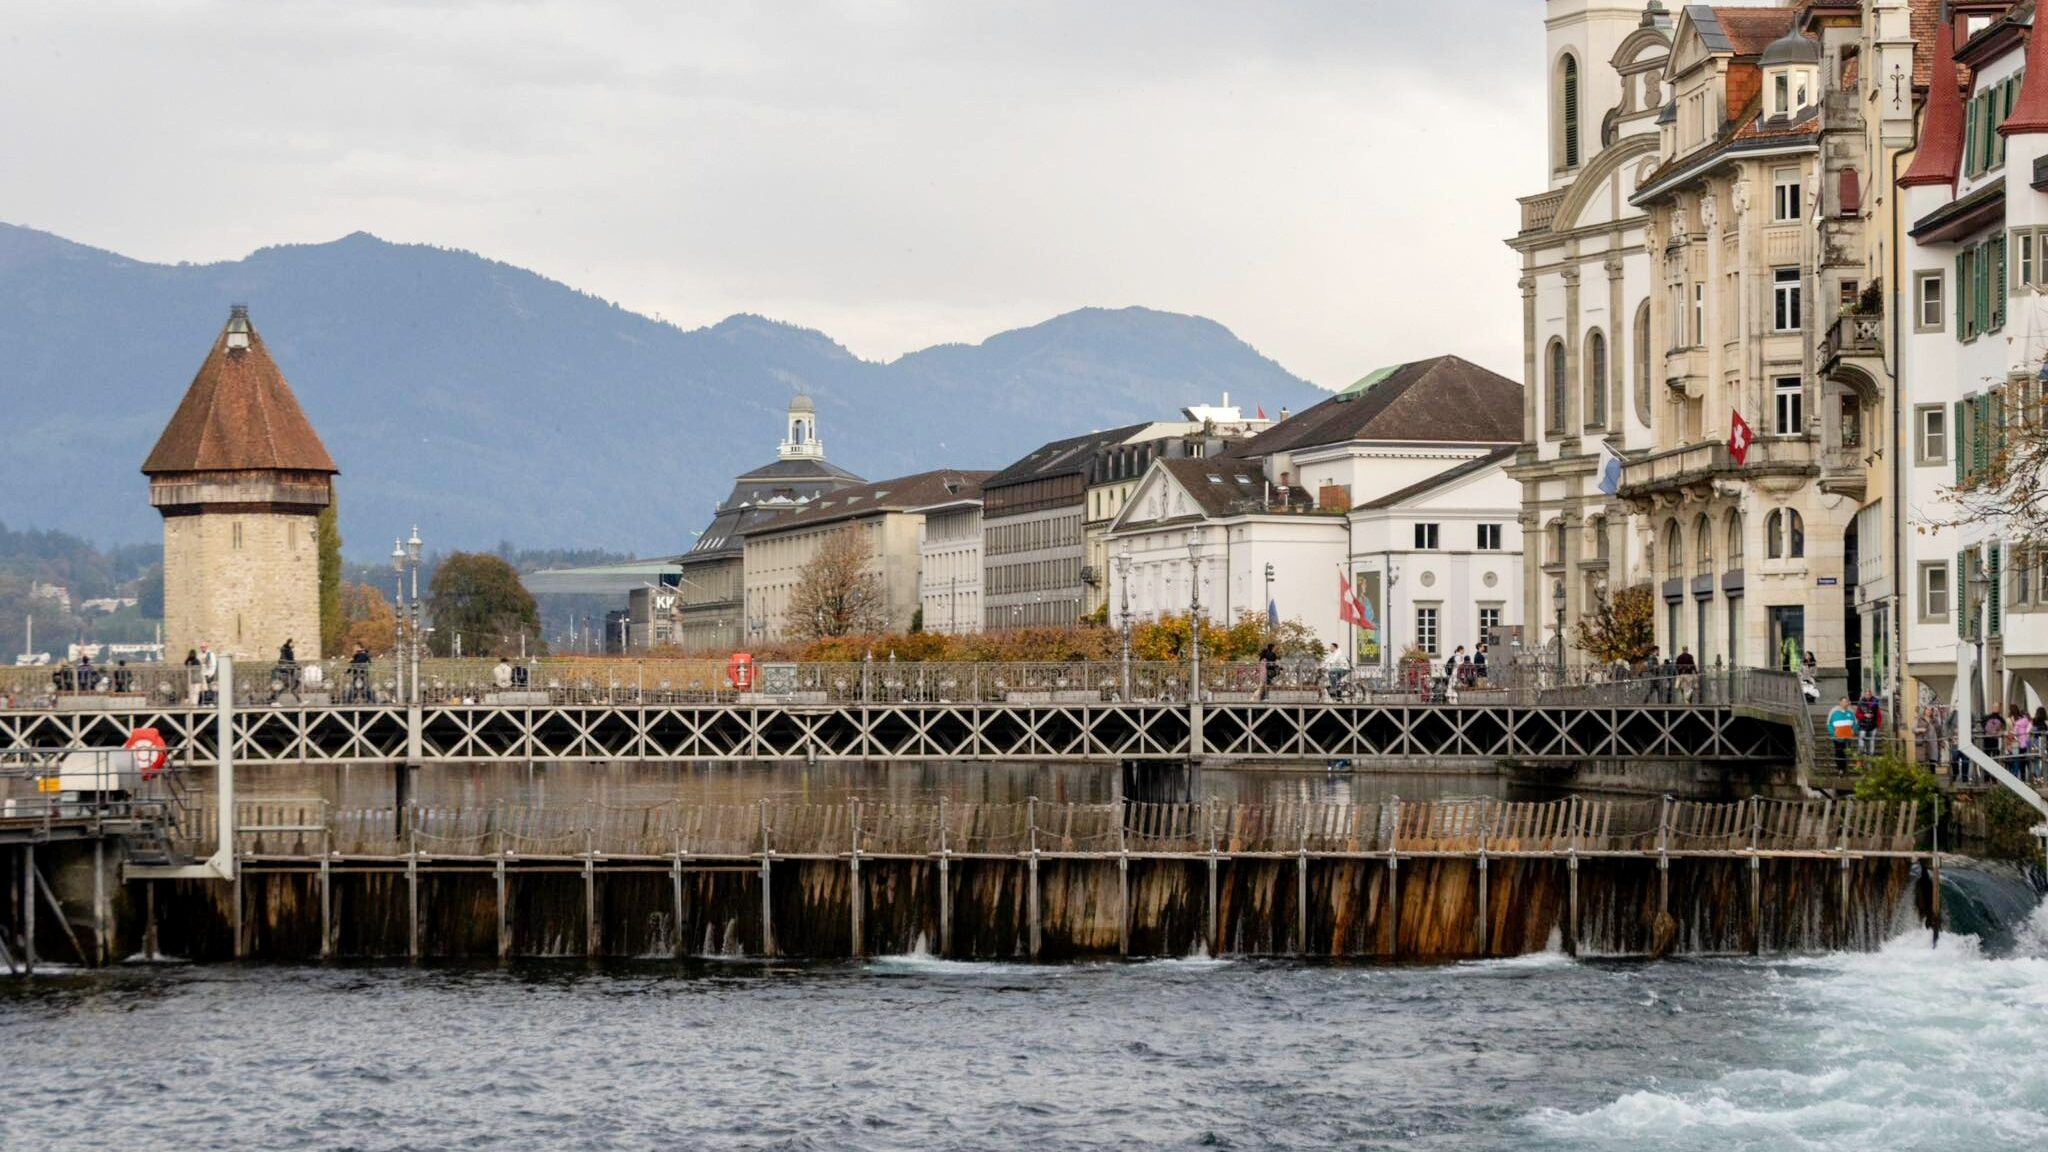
[1539, 211]
[1843, 471]
[1856, 336]
[1696, 466]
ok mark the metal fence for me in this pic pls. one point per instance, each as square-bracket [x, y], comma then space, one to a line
[572, 681]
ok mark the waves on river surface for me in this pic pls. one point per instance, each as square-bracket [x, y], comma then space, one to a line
[1911, 1047]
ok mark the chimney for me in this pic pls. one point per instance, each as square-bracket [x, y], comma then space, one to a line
[238, 327]
[1283, 412]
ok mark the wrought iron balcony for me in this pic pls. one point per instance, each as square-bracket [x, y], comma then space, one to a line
[1854, 334]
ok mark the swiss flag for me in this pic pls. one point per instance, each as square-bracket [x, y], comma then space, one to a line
[1739, 439]
[1350, 609]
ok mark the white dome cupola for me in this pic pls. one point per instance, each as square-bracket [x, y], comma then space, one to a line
[1791, 68]
[800, 438]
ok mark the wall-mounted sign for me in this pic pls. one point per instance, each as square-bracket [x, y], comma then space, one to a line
[1828, 581]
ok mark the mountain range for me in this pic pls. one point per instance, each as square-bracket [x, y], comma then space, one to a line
[488, 403]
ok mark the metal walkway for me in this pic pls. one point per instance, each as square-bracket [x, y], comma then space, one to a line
[1535, 734]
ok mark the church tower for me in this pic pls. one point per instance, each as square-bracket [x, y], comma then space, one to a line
[240, 478]
[800, 436]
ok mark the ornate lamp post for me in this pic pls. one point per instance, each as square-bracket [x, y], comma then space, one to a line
[1557, 600]
[1195, 614]
[1123, 580]
[398, 640]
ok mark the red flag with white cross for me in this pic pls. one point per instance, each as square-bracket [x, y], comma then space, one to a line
[1739, 439]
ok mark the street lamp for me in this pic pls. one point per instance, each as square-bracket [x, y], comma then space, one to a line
[412, 563]
[1123, 581]
[1557, 600]
[1195, 614]
[398, 618]
[1270, 613]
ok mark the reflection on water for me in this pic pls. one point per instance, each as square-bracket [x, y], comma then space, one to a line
[901, 783]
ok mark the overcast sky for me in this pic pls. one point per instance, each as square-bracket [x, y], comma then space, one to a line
[1332, 179]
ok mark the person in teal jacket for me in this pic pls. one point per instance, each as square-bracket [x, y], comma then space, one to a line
[1842, 728]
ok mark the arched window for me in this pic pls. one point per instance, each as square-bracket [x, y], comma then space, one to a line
[1674, 550]
[1596, 379]
[1731, 556]
[1784, 535]
[1555, 385]
[1643, 362]
[1795, 535]
[1568, 110]
[1702, 547]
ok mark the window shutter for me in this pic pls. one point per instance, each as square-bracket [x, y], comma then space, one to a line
[1956, 447]
[1998, 315]
[1995, 454]
[1970, 138]
[1996, 586]
[1962, 288]
[1980, 271]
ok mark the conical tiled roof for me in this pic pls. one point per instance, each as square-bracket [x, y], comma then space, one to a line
[239, 415]
[1940, 154]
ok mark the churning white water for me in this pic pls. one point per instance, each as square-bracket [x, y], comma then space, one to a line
[1911, 1048]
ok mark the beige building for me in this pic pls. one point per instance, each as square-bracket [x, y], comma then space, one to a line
[1589, 364]
[240, 478]
[1755, 242]
[888, 513]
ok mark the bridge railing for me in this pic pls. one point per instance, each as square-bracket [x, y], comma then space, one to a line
[560, 681]
[786, 828]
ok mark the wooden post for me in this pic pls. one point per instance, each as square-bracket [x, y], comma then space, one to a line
[1842, 918]
[1571, 933]
[1485, 925]
[100, 943]
[675, 877]
[504, 913]
[326, 906]
[1032, 831]
[591, 935]
[1756, 880]
[853, 898]
[767, 902]
[945, 885]
[28, 907]
[1664, 858]
[241, 947]
[149, 950]
[1934, 872]
[1301, 887]
[1393, 933]
[1215, 939]
[1123, 885]
[412, 905]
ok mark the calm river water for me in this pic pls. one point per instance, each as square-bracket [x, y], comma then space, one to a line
[1910, 1048]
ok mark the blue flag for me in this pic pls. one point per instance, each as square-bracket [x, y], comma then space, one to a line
[1272, 616]
[1610, 471]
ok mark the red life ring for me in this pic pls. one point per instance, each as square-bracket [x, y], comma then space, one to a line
[150, 751]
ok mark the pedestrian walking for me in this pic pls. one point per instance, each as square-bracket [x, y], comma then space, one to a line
[1335, 668]
[1869, 721]
[1842, 729]
[1269, 669]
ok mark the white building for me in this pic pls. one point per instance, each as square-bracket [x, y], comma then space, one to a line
[1975, 346]
[1402, 472]
[950, 562]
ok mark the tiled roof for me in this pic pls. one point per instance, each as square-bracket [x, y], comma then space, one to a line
[1923, 16]
[1447, 476]
[238, 415]
[1445, 399]
[2030, 111]
[1063, 457]
[902, 494]
[1748, 31]
[1940, 154]
[1228, 486]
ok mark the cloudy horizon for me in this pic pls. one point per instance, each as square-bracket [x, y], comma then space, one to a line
[895, 175]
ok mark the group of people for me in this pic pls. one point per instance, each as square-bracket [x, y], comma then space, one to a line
[1859, 722]
[88, 677]
[2014, 735]
[1669, 679]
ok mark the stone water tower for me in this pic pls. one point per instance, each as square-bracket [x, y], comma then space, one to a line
[240, 478]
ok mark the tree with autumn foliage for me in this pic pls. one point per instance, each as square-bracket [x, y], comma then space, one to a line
[1621, 628]
[479, 597]
[367, 619]
[839, 593]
